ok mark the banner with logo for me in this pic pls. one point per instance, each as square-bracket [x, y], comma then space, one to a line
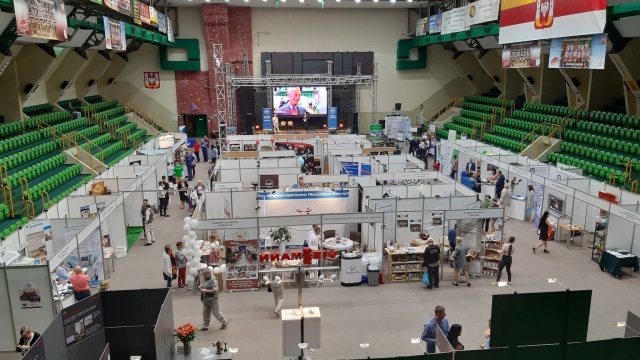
[269, 182]
[583, 52]
[144, 13]
[526, 20]
[152, 80]
[422, 27]
[332, 118]
[153, 16]
[136, 12]
[435, 23]
[170, 30]
[121, 6]
[41, 19]
[455, 20]
[114, 35]
[242, 263]
[39, 236]
[483, 11]
[522, 55]
[267, 119]
[162, 23]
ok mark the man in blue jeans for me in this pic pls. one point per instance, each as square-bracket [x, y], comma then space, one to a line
[452, 241]
[431, 328]
[190, 159]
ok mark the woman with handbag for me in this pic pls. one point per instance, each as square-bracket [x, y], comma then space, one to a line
[459, 258]
[543, 230]
[505, 261]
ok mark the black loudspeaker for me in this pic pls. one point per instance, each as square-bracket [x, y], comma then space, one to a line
[28, 88]
[64, 84]
[110, 81]
[530, 80]
[575, 81]
[398, 106]
[354, 127]
[470, 77]
[91, 82]
[496, 78]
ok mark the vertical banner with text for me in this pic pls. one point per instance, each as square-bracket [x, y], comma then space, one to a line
[435, 23]
[41, 19]
[267, 122]
[121, 6]
[332, 118]
[114, 34]
[242, 264]
[422, 27]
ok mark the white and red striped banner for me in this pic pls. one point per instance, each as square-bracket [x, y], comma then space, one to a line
[527, 20]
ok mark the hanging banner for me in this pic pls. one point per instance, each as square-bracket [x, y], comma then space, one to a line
[114, 38]
[136, 12]
[144, 13]
[375, 132]
[41, 19]
[267, 119]
[435, 23]
[455, 20]
[522, 55]
[526, 20]
[422, 27]
[332, 118]
[38, 234]
[584, 52]
[153, 16]
[242, 264]
[162, 23]
[483, 11]
[170, 36]
[152, 80]
[121, 6]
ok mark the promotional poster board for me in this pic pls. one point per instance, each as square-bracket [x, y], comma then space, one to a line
[136, 12]
[153, 16]
[435, 23]
[39, 236]
[547, 19]
[455, 20]
[422, 27]
[91, 210]
[584, 52]
[397, 124]
[267, 119]
[332, 118]
[375, 132]
[483, 11]
[144, 13]
[41, 19]
[242, 264]
[170, 36]
[82, 319]
[162, 23]
[114, 35]
[121, 6]
[268, 182]
[90, 251]
[522, 55]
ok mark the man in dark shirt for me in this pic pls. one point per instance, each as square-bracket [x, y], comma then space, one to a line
[499, 184]
[432, 263]
[413, 145]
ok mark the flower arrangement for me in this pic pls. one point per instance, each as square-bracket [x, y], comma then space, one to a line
[186, 332]
[281, 234]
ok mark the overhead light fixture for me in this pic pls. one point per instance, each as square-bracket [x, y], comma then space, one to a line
[301, 1]
[409, 0]
[336, 1]
[417, 340]
[373, 1]
[392, 1]
[621, 324]
[357, 1]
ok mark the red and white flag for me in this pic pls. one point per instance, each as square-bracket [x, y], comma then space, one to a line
[527, 20]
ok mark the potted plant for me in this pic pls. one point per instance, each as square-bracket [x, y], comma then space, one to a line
[281, 236]
[186, 333]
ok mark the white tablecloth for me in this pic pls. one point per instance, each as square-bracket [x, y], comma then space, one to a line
[339, 245]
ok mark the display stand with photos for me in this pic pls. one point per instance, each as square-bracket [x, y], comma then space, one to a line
[599, 239]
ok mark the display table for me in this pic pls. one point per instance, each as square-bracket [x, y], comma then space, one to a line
[517, 208]
[340, 244]
[292, 329]
[351, 270]
[614, 261]
[488, 189]
[198, 354]
[571, 228]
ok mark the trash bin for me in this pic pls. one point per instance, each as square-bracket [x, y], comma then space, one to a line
[373, 275]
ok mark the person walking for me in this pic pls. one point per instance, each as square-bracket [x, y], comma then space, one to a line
[499, 184]
[148, 221]
[543, 229]
[505, 261]
[452, 241]
[80, 284]
[432, 263]
[182, 191]
[172, 177]
[505, 200]
[181, 264]
[277, 288]
[177, 171]
[166, 265]
[204, 147]
[459, 258]
[196, 149]
[213, 154]
[211, 173]
[143, 214]
[162, 199]
[431, 328]
[191, 165]
[452, 337]
[214, 255]
[454, 167]
[209, 297]
[531, 203]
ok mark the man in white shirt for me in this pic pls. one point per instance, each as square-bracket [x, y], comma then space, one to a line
[149, 215]
[162, 198]
[505, 200]
[313, 240]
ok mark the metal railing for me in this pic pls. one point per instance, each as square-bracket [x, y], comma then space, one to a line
[30, 209]
[555, 130]
[142, 115]
[4, 175]
[455, 102]
[634, 186]
[8, 199]
[24, 189]
[44, 203]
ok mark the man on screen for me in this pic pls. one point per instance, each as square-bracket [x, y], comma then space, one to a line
[292, 107]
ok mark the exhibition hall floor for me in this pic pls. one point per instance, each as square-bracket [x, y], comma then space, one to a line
[386, 316]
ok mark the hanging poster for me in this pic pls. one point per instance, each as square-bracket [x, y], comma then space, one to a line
[90, 256]
[522, 55]
[170, 36]
[162, 23]
[526, 20]
[82, 320]
[422, 27]
[375, 132]
[41, 19]
[153, 16]
[121, 6]
[114, 35]
[584, 52]
[483, 11]
[29, 295]
[455, 20]
[136, 12]
[242, 264]
[152, 80]
[332, 118]
[91, 210]
[38, 234]
[435, 23]
[144, 13]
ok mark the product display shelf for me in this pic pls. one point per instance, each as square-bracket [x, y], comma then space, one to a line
[491, 256]
[599, 241]
[405, 265]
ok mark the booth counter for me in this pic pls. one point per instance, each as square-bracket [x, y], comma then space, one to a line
[488, 189]
[517, 208]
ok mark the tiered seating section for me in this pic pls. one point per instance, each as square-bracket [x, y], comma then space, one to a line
[31, 150]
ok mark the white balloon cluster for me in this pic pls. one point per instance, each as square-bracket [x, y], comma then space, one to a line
[191, 248]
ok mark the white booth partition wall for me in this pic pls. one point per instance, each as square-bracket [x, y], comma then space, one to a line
[115, 185]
